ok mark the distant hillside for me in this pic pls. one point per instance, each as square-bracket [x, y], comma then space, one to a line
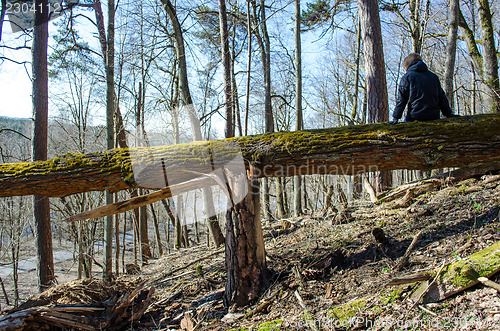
[22, 125]
[14, 147]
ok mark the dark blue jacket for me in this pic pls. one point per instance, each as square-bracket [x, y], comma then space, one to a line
[421, 90]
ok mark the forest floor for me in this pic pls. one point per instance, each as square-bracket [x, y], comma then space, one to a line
[321, 262]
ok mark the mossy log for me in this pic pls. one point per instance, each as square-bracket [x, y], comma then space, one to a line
[464, 142]
[460, 275]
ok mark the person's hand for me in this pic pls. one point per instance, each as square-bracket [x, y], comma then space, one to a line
[394, 121]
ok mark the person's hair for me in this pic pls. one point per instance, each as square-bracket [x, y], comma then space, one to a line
[410, 58]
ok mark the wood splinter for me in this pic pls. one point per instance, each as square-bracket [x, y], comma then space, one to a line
[485, 281]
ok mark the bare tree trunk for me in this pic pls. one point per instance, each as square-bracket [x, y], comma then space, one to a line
[299, 123]
[143, 225]
[80, 250]
[143, 213]
[117, 245]
[490, 59]
[470, 39]
[234, 87]
[3, 10]
[178, 225]
[249, 66]
[378, 104]
[357, 186]
[135, 219]
[40, 97]
[451, 49]
[226, 67]
[267, 70]
[195, 215]
[124, 242]
[187, 101]
[157, 231]
[110, 110]
[416, 29]
[245, 255]
[15, 265]
[280, 201]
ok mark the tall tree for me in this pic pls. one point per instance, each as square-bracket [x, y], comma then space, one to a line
[226, 67]
[187, 102]
[40, 97]
[490, 59]
[299, 123]
[376, 86]
[266, 63]
[3, 10]
[249, 66]
[110, 136]
[262, 36]
[140, 134]
[451, 49]
[486, 64]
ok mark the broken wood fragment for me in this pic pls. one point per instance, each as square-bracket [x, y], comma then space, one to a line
[260, 307]
[142, 200]
[418, 277]
[371, 191]
[489, 283]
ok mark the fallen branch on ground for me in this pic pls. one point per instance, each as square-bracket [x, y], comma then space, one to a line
[404, 260]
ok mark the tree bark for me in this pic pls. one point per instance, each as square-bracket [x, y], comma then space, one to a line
[415, 27]
[110, 111]
[470, 40]
[226, 67]
[299, 123]
[266, 64]
[249, 66]
[143, 213]
[41, 204]
[451, 49]
[3, 10]
[247, 275]
[376, 86]
[157, 231]
[490, 59]
[463, 142]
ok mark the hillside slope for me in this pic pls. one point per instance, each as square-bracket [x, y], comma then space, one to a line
[322, 262]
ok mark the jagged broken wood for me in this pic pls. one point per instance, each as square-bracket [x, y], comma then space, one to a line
[465, 142]
[139, 201]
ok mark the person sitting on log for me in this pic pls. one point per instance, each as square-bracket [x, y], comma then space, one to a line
[421, 90]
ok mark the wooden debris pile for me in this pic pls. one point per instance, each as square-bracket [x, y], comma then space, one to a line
[118, 306]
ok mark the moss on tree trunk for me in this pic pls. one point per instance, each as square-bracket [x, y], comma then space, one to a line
[464, 142]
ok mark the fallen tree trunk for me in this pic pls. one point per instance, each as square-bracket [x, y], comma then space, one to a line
[464, 142]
